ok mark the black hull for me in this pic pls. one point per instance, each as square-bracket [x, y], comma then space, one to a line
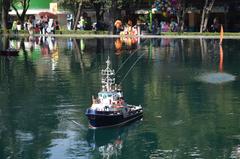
[111, 119]
[9, 52]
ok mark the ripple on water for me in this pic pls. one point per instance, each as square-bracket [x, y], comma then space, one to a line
[161, 154]
[216, 78]
[235, 154]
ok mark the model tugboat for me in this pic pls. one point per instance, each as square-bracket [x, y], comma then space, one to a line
[109, 108]
[9, 52]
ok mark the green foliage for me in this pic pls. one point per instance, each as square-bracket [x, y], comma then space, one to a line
[103, 4]
[143, 18]
[24, 4]
[20, 4]
[70, 5]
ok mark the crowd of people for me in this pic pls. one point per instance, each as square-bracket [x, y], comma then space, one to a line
[43, 25]
[46, 25]
[164, 26]
[156, 27]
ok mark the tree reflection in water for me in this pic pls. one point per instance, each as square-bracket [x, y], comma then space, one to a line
[183, 117]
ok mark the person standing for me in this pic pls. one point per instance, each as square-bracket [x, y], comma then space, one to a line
[56, 26]
[30, 26]
[14, 27]
[215, 27]
[41, 25]
[81, 23]
[118, 26]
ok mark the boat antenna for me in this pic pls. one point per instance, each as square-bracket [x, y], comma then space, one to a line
[107, 76]
[129, 57]
[126, 61]
[131, 68]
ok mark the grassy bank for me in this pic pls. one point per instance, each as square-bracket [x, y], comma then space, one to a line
[201, 34]
[106, 33]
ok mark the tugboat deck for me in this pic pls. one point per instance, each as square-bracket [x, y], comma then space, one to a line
[109, 108]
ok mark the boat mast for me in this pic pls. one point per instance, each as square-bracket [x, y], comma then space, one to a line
[108, 77]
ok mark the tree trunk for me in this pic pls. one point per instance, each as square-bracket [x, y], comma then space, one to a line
[5, 8]
[25, 6]
[205, 15]
[181, 27]
[115, 13]
[205, 22]
[99, 13]
[180, 21]
[21, 17]
[5, 41]
[181, 11]
[78, 15]
[99, 16]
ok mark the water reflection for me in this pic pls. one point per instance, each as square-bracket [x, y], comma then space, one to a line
[52, 80]
[107, 142]
[235, 154]
[114, 142]
[126, 43]
[219, 76]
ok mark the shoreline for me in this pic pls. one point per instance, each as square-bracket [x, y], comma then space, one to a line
[180, 36]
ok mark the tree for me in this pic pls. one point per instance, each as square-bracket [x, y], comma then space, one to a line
[180, 8]
[24, 5]
[78, 14]
[0, 13]
[100, 7]
[5, 7]
[171, 9]
[71, 6]
[205, 14]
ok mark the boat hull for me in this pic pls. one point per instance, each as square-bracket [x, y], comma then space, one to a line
[104, 119]
[9, 52]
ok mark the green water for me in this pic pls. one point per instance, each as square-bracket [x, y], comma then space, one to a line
[188, 113]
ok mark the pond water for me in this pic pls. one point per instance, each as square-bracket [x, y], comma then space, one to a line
[189, 90]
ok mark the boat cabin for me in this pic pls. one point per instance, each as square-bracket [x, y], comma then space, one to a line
[109, 98]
